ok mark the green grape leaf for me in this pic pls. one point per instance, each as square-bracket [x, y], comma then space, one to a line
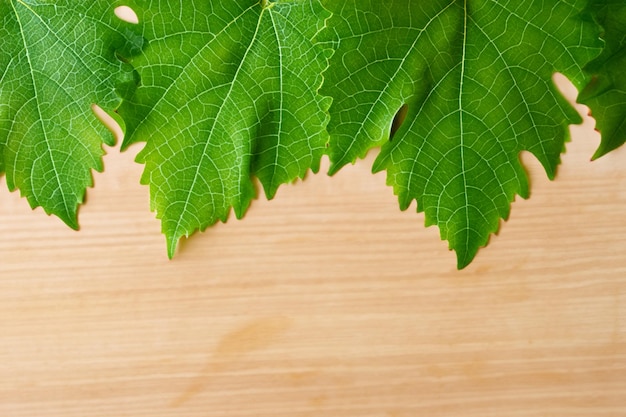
[606, 93]
[475, 80]
[57, 59]
[229, 90]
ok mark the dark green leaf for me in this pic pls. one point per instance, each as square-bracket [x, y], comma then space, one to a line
[606, 93]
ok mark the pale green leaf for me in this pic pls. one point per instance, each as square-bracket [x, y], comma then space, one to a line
[56, 60]
[228, 91]
[476, 77]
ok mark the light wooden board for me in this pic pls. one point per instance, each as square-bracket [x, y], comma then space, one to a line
[327, 301]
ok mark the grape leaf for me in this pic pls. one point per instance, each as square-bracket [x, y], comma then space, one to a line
[56, 60]
[475, 80]
[229, 90]
[606, 93]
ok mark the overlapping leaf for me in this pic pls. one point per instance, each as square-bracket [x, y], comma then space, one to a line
[56, 60]
[476, 77]
[606, 94]
[229, 90]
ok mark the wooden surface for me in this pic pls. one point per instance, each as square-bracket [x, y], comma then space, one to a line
[327, 301]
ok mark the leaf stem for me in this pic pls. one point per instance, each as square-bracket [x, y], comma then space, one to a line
[267, 4]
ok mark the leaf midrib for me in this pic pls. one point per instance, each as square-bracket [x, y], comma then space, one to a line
[175, 235]
[462, 133]
[281, 93]
[68, 212]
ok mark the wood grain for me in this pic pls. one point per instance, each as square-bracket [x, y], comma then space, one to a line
[327, 301]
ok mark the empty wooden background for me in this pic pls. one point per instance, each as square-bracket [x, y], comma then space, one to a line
[327, 301]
